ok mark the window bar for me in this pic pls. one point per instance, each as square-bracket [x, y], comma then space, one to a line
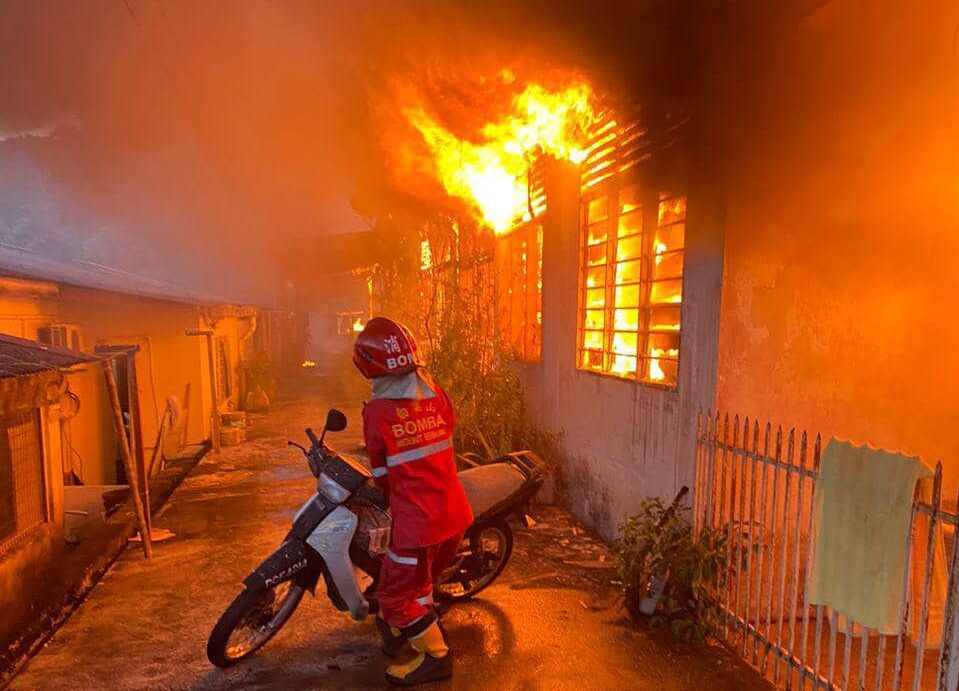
[645, 277]
[609, 304]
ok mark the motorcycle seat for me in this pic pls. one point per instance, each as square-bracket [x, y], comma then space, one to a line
[490, 485]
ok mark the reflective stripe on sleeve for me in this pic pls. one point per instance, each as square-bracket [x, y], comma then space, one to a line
[406, 561]
[378, 472]
[425, 600]
[421, 452]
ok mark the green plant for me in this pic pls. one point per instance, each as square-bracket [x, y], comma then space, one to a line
[258, 372]
[694, 567]
[453, 309]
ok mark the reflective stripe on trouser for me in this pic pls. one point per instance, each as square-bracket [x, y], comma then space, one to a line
[405, 587]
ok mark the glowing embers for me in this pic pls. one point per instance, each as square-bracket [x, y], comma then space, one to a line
[490, 171]
[426, 255]
[631, 284]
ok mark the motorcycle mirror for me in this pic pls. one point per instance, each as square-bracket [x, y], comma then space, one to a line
[335, 421]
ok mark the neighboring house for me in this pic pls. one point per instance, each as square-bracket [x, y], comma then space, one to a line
[157, 360]
[175, 356]
[34, 392]
[790, 256]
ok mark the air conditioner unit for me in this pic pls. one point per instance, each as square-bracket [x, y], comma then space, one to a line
[62, 335]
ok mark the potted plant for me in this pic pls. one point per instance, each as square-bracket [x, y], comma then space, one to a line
[670, 575]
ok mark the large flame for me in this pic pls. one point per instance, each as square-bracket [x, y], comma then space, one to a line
[491, 175]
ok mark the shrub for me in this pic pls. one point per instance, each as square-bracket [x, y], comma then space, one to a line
[453, 309]
[693, 567]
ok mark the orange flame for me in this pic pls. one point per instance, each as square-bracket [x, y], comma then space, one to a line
[491, 176]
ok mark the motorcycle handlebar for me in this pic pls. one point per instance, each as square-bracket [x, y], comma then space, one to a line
[312, 436]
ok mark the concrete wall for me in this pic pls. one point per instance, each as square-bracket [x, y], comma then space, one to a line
[841, 284]
[89, 438]
[21, 316]
[619, 440]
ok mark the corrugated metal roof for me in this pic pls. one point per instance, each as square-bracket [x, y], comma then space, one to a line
[19, 356]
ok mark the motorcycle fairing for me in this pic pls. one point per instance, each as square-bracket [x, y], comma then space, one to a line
[290, 559]
[310, 515]
[293, 559]
[331, 539]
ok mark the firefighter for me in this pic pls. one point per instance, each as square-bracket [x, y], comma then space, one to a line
[408, 428]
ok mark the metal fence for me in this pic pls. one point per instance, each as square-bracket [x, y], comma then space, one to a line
[756, 484]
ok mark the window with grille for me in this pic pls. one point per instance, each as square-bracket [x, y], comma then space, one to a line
[520, 267]
[631, 283]
[23, 503]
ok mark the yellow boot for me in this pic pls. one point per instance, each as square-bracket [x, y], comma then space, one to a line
[393, 639]
[431, 661]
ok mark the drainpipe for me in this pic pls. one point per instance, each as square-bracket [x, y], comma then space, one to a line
[241, 397]
[215, 413]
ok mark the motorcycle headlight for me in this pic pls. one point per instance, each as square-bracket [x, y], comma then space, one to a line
[331, 489]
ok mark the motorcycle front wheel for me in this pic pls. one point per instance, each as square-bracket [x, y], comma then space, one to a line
[484, 554]
[252, 619]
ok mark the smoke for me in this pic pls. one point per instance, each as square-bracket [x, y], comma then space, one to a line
[208, 144]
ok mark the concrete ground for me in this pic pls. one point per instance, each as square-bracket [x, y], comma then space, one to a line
[551, 622]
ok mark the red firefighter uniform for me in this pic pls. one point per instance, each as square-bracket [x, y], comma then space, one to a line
[411, 453]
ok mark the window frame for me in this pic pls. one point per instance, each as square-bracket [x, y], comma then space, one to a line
[521, 254]
[9, 542]
[612, 189]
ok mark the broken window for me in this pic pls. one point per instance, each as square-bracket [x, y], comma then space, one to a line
[631, 278]
[22, 489]
[520, 267]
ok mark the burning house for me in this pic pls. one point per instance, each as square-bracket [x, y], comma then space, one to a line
[765, 256]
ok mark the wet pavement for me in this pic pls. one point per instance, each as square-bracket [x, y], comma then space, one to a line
[552, 621]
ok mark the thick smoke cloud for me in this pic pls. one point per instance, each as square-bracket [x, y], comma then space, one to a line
[204, 143]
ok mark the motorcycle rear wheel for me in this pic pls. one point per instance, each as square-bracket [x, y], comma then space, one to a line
[251, 620]
[489, 548]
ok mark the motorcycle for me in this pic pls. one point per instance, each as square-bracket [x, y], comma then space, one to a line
[345, 527]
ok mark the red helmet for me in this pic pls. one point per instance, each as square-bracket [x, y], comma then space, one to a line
[385, 347]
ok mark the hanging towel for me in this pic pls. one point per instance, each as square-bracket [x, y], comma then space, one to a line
[861, 515]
